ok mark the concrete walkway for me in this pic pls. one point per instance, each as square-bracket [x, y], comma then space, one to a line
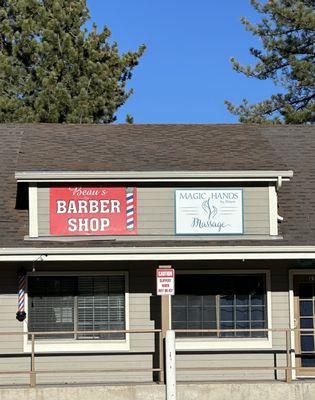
[210, 391]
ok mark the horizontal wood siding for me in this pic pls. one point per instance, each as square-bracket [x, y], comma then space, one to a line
[11, 343]
[144, 314]
[156, 211]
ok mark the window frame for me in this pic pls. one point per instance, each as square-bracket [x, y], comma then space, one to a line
[228, 343]
[78, 345]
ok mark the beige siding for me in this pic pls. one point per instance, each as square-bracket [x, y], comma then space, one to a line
[144, 314]
[10, 344]
[156, 211]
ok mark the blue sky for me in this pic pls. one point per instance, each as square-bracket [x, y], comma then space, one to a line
[185, 74]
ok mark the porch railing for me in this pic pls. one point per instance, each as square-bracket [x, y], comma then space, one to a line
[158, 350]
[33, 371]
[288, 350]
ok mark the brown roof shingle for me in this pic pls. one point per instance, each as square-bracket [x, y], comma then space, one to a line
[47, 147]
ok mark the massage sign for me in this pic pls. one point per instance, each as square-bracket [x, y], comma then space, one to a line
[93, 211]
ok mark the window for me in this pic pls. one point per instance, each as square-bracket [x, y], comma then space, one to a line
[220, 301]
[83, 303]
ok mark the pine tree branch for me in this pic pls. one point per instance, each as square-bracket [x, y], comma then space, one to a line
[287, 32]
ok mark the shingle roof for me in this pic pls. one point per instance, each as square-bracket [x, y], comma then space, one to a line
[49, 147]
[161, 147]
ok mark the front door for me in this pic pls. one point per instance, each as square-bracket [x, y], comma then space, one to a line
[304, 310]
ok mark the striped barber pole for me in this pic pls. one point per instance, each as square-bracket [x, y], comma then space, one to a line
[130, 208]
[20, 315]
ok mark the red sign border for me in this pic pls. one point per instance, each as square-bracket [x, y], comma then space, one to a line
[118, 232]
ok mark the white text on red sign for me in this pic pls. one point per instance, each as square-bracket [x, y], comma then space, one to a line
[165, 279]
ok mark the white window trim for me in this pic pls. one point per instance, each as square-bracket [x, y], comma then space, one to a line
[231, 343]
[70, 345]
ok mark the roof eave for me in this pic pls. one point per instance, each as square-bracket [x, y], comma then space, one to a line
[159, 253]
[150, 176]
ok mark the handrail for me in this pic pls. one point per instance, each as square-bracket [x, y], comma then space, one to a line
[37, 333]
[288, 368]
[243, 330]
[33, 371]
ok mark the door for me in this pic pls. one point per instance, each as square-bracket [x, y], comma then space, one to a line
[304, 309]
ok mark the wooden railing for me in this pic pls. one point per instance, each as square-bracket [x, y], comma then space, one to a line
[33, 371]
[288, 368]
[158, 349]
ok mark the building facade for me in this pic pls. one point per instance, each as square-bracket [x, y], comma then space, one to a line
[87, 215]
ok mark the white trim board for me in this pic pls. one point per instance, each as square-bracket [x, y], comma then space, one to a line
[153, 256]
[151, 176]
[151, 238]
[33, 210]
[160, 250]
[273, 211]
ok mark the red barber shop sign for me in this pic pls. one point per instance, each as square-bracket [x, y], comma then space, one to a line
[93, 211]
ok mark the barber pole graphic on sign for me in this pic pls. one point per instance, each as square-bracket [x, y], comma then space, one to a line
[130, 208]
[85, 210]
[165, 281]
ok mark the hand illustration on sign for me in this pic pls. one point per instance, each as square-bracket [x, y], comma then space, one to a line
[210, 209]
[212, 212]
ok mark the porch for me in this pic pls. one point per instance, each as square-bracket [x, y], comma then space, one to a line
[273, 352]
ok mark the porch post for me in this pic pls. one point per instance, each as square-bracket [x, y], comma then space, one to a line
[288, 351]
[32, 372]
[165, 325]
[165, 313]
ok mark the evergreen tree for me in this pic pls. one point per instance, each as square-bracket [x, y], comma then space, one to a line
[53, 70]
[287, 33]
[129, 119]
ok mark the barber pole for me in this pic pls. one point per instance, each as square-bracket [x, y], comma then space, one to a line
[21, 314]
[130, 208]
